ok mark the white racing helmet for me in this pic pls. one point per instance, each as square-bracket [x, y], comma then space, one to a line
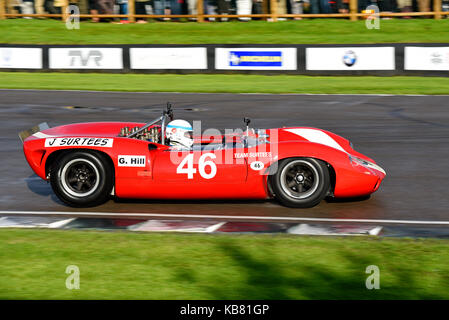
[179, 132]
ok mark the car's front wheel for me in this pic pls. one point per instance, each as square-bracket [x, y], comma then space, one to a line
[301, 182]
[81, 178]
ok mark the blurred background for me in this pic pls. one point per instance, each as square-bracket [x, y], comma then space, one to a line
[124, 11]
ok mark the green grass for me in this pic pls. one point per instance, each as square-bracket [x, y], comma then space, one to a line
[224, 83]
[125, 265]
[285, 32]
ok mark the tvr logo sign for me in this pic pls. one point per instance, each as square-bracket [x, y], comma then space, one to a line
[78, 58]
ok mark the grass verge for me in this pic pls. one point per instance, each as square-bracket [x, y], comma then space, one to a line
[124, 265]
[225, 83]
[313, 31]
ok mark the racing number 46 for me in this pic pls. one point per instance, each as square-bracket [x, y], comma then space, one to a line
[186, 166]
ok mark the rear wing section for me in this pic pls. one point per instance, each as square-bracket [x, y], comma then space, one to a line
[26, 133]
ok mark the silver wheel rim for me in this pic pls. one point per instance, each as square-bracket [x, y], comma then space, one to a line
[80, 177]
[299, 179]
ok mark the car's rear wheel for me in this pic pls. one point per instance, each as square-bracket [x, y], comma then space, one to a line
[81, 178]
[301, 182]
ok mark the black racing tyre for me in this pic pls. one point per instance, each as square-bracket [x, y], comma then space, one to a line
[82, 178]
[300, 182]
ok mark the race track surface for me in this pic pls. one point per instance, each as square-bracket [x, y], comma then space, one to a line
[407, 135]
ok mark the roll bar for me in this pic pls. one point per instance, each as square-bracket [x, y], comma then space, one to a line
[168, 113]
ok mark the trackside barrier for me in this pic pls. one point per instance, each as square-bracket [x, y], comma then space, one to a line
[272, 15]
[425, 59]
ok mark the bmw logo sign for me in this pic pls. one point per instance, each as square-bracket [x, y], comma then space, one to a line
[349, 58]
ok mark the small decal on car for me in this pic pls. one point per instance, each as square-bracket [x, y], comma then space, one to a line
[79, 141]
[257, 165]
[252, 155]
[131, 161]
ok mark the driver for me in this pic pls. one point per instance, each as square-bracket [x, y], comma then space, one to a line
[180, 134]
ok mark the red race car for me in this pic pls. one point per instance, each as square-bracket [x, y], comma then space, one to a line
[86, 163]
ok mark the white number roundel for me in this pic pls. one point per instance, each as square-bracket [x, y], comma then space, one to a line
[257, 165]
[202, 164]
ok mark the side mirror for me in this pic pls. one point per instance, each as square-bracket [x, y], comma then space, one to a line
[155, 146]
[169, 111]
[152, 146]
[247, 122]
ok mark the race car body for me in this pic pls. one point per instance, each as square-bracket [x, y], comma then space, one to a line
[299, 166]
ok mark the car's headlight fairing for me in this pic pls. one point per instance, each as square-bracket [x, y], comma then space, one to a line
[366, 164]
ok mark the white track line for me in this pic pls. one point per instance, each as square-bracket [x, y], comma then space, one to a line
[117, 215]
[239, 93]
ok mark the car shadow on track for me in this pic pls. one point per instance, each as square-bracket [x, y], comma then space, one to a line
[192, 201]
[345, 200]
[230, 201]
[38, 186]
